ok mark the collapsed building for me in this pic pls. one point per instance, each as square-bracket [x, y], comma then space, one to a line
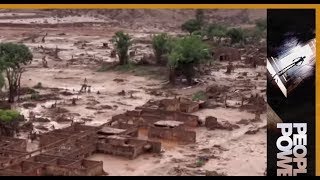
[249, 54]
[226, 54]
[254, 55]
[63, 152]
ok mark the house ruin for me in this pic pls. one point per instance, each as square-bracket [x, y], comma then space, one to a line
[226, 54]
[63, 152]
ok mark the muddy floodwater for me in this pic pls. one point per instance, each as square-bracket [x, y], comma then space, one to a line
[78, 40]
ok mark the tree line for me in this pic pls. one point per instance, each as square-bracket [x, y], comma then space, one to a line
[182, 54]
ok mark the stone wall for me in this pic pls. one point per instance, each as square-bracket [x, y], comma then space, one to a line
[127, 147]
[82, 168]
[175, 134]
[144, 117]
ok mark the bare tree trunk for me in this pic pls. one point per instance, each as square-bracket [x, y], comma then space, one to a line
[188, 73]
[123, 59]
[19, 83]
[172, 76]
[10, 82]
[13, 77]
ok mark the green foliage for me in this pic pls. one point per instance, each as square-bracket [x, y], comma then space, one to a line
[191, 26]
[14, 55]
[161, 45]
[2, 81]
[261, 24]
[236, 35]
[187, 52]
[122, 43]
[200, 95]
[198, 33]
[7, 116]
[200, 163]
[38, 86]
[215, 30]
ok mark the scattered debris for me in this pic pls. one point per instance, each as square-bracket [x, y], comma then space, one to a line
[29, 105]
[122, 93]
[41, 119]
[212, 123]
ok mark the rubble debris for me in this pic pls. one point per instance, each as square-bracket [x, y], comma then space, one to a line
[27, 126]
[92, 102]
[252, 131]
[214, 91]
[41, 119]
[113, 54]
[122, 93]
[147, 59]
[179, 105]
[214, 173]
[62, 118]
[60, 110]
[188, 106]
[169, 104]
[29, 105]
[42, 127]
[26, 90]
[155, 92]
[87, 119]
[66, 93]
[106, 107]
[230, 68]
[44, 97]
[44, 62]
[118, 80]
[43, 38]
[243, 122]
[105, 45]
[74, 101]
[212, 123]
[132, 53]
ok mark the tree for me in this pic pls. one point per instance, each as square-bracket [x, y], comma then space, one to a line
[200, 16]
[9, 121]
[12, 58]
[122, 43]
[186, 53]
[215, 30]
[236, 35]
[191, 26]
[161, 46]
[2, 81]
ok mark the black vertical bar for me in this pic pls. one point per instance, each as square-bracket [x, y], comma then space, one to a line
[288, 28]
